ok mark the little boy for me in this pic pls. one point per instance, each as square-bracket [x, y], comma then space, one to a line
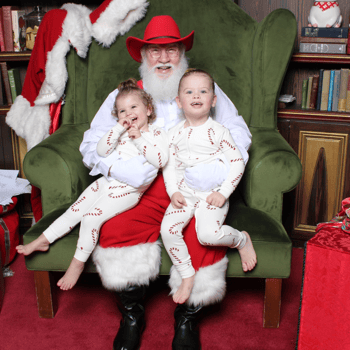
[197, 140]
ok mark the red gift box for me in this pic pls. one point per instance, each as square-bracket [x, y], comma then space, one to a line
[325, 306]
[9, 232]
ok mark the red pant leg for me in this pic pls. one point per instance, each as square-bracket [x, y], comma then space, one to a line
[142, 225]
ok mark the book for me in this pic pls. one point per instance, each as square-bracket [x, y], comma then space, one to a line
[330, 93]
[325, 89]
[322, 48]
[347, 107]
[15, 82]
[348, 48]
[7, 23]
[2, 40]
[336, 90]
[1, 92]
[325, 32]
[310, 39]
[304, 93]
[17, 29]
[309, 86]
[319, 91]
[314, 90]
[344, 77]
[5, 79]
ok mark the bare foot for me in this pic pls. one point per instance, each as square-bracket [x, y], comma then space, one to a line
[39, 244]
[71, 276]
[184, 291]
[248, 255]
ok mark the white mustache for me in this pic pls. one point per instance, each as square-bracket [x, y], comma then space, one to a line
[160, 65]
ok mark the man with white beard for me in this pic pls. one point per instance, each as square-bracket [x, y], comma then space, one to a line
[128, 255]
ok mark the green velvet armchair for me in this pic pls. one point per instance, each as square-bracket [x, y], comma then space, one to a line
[248, 60]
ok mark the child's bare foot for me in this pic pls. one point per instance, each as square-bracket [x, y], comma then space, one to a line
[71, 276]
[248, 255]
[184, 291]
[39, 244]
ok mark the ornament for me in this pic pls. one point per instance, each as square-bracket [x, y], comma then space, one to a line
[325, 14]
[33, 21]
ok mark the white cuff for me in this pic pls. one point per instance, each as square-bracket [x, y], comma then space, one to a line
[102, 167]
[209, 283]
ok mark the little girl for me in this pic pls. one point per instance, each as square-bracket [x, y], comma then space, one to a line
[200, 140]
[132, 136]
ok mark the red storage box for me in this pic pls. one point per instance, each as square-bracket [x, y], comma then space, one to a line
[9, 232]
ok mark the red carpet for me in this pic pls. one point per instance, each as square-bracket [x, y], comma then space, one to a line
[88, 318]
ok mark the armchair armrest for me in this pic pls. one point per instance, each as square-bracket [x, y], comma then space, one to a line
[273, 169]
[55, 166]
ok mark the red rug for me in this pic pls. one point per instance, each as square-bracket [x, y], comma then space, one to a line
[88, 318]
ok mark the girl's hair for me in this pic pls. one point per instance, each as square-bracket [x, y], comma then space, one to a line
[192, 71]
[130, 86]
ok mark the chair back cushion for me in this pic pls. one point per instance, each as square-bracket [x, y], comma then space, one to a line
[223, 41]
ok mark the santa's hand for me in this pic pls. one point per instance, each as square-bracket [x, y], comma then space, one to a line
[206, 177]
[133, 171]
[178, 200]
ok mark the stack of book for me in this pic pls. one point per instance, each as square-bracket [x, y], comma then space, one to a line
[10, 84]
[324, 40]
[329, 90]
[12, 29]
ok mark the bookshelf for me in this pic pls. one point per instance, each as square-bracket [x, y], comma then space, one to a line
[321, 140]
[13, 148]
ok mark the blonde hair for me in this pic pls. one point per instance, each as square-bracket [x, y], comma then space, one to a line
[192, 71]
[130, 86]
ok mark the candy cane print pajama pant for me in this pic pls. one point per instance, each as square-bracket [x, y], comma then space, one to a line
[99, 202]
[209, 227]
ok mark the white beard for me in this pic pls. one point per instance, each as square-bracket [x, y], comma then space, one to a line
[162, 89]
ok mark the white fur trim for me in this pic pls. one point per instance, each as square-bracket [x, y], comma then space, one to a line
[30, 123]
[46, 95]
[117, 19]
[76, 31]
[122, 267]
[77, 27]
[209, 283]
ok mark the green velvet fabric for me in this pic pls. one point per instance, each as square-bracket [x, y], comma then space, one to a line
[248, 60]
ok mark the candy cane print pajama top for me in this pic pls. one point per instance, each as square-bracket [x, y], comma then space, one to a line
[104, 199]
[189, 147]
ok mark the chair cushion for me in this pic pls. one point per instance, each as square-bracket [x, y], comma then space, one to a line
[271, 242]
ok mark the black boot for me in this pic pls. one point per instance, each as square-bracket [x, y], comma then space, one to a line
[186, 335]
[130, 304]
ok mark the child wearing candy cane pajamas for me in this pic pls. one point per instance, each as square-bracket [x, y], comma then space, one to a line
[200, 140]
[132, 136]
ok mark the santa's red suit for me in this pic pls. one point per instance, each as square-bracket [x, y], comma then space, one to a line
[121, 261]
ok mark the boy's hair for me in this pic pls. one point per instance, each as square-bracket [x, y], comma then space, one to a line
[192, 71]
[130, 86]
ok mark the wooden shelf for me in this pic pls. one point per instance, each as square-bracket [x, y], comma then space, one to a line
[311, 114]
[4, 110]
[320, 58]
[15, 56]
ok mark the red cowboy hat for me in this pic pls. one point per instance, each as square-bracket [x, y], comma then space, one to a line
[160, 30]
